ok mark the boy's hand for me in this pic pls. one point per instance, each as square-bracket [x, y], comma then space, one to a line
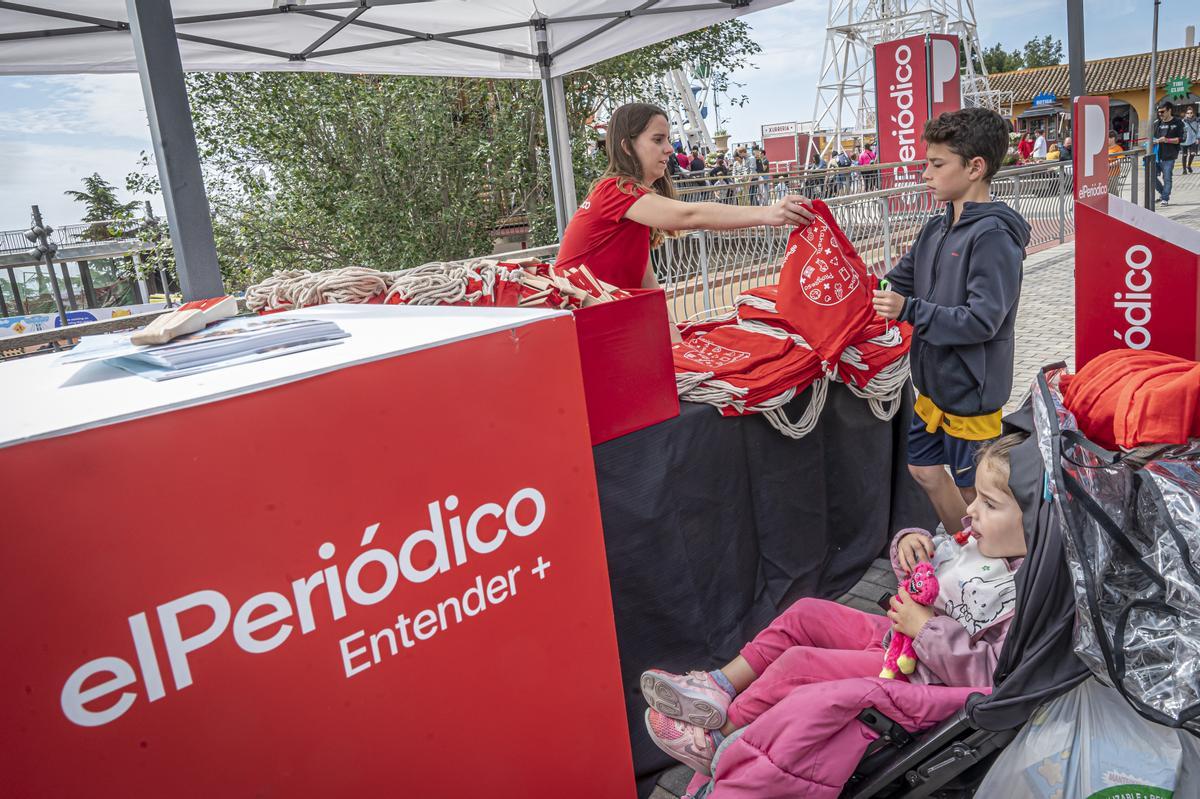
[888, 304]
[914, 548]
[908, 616]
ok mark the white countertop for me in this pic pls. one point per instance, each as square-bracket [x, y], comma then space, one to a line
[41, 398]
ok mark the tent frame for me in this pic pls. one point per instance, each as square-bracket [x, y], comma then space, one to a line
[155, 32]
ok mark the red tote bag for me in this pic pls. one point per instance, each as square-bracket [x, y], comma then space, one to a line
[824, 288]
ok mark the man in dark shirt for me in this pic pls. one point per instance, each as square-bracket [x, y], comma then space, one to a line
[1168, 133]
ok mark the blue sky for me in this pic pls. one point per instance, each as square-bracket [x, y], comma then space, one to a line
[54, 131]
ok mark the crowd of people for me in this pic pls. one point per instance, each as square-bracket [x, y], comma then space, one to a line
[741, 173]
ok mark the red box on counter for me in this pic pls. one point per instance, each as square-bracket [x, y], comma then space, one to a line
[628, 375]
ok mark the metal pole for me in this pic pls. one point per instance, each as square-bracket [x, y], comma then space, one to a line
[886, 224]
[16, 292]
[66, 276]
[47, 250]
[3, 305]
[161, 71]
[1064, 186]
[85, 277]
[1133, 179]
[162, 270]
[562, 172]
[1075, 47]
[1151, 167]
[703, 234]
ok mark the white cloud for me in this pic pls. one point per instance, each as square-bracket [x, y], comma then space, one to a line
[90, 105]
[37, 172]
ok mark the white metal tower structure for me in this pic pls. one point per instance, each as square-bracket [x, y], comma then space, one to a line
[845, 103]
[683, 109]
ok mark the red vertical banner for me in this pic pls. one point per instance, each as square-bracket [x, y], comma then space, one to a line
[1089, 127]
[945, 82]
[901, 98]
[901, 102]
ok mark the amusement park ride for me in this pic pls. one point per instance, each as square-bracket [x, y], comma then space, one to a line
[845, 97]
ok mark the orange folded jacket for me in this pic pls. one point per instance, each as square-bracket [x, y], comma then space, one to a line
[1127, 398]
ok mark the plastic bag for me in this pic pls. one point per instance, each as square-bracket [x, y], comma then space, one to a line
[1089, 743]
[1133, 547]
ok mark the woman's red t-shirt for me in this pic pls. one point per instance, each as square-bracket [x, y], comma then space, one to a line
[615, 249]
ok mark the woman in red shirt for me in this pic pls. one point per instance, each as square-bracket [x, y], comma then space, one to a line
[1025, 147]
[632, 208]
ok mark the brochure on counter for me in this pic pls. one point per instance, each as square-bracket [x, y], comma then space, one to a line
[225, 343]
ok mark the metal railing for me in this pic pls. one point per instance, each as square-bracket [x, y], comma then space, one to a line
[110, 230]
[704, 271]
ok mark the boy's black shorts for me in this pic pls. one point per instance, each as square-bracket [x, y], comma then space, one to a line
[941, 448]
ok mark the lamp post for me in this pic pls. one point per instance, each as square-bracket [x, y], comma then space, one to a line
[1151, 167]
[39, 236]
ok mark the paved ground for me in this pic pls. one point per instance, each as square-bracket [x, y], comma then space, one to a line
[1045, 334]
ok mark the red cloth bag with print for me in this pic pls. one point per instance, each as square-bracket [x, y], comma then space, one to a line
[824, 288]
[729, 350]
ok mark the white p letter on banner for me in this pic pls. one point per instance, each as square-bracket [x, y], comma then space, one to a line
[1094, 137]
[945, 67]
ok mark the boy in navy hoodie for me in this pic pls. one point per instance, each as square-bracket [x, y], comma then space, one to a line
[958, 286]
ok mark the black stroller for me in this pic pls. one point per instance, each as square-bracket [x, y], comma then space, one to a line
[1037, 663]
[1129, 541]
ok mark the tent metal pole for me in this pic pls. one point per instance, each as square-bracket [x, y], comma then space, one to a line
[174, 139]
[1075, 47]
[562, 171]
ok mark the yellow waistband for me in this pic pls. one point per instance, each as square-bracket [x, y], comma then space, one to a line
[967, 428]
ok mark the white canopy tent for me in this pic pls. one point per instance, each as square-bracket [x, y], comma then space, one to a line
[159, 39]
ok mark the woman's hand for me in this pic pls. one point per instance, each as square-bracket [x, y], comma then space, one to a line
[914, 548]
[908, 616]
[792, 210]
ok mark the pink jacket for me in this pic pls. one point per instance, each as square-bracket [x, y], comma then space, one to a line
[946, 653]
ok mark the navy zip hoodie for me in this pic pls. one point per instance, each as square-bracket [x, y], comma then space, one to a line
[961, 283]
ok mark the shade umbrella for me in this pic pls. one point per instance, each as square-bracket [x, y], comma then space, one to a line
[159, 39]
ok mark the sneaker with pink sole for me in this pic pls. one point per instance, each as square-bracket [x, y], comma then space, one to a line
[693, 697]
[688, 743]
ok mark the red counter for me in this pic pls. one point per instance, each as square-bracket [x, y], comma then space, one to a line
[369, 569]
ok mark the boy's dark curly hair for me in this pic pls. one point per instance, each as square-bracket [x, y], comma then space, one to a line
[972, 132]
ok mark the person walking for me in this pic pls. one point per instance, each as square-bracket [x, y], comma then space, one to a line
[1191, 138]
[761, 167]
[719, 173]
[870, 176]
[681, 158]
[1168, 133]
[1025, 147]
[1039, 145]
[1114, 163]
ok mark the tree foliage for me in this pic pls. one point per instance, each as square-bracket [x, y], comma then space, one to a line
[100, 202]
[1044, 52]
[316, 171]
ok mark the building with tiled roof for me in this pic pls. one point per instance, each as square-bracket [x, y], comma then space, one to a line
[1125, 79]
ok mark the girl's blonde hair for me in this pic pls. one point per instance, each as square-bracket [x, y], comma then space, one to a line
[995, 453]
[626, 124]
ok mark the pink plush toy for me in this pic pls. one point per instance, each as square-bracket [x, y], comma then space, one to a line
[922, 586]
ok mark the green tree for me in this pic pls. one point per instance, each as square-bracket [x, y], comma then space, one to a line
[100, 202]
[315, 171]
[1044, 52]
[997, 59]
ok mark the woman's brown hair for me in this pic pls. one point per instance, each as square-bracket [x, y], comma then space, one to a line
[625, 125]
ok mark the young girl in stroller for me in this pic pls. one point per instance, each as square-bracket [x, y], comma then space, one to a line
[817, 650]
